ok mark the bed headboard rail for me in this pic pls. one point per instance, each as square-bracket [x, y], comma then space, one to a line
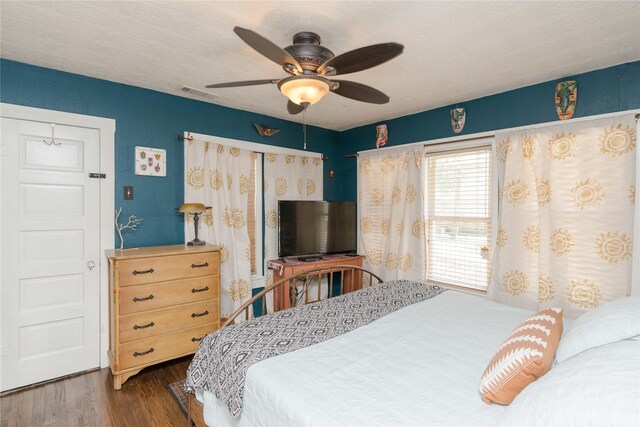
[285, 291]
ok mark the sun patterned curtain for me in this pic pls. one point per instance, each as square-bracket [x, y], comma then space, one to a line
[219, 176]
[391, 213]
[286, 177]
[566, 215]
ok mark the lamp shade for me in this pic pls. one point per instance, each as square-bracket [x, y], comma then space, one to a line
[192, 208]
[303, 88]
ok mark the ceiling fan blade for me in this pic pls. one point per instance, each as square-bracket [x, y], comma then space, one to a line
[360, 92]
[243, 83]
[267, 48]
[362, 59]
[294, 108]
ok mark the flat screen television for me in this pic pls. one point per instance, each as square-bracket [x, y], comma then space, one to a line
[316, 227]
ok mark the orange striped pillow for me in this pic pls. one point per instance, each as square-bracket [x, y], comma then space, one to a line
[525, 356]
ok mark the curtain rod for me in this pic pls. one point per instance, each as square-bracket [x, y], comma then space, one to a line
[460, 140]
[438, 143]
[191, 138]
[479, 137]
[182, 138]
[637, 116]
[492, 133]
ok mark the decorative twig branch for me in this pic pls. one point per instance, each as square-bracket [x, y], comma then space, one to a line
[132, 225]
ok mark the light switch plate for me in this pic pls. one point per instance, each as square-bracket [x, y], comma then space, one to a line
[128, 192]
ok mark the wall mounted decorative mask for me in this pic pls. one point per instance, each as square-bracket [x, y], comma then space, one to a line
[566, 99]
[458, 119]
[382, 135]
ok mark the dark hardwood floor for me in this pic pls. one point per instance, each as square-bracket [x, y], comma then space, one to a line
[90, 400]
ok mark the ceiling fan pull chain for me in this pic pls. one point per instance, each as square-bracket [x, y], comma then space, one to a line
[304, 127]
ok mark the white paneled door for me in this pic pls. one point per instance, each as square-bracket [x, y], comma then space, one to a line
[50, 252]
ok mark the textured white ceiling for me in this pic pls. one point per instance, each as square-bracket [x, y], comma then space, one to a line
[454, 51]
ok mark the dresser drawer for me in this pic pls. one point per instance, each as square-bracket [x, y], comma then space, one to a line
[158, 269]
[138, 298]
[146, 350]
[154, 322]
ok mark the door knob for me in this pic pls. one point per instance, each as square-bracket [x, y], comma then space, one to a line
[91, 264]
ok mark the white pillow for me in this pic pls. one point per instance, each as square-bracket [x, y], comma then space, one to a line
[599, 387]
[614, 321]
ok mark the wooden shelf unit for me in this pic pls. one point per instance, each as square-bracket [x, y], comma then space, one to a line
[352, 281]
[164, 300]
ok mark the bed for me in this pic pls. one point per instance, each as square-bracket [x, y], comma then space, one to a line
[421, 365]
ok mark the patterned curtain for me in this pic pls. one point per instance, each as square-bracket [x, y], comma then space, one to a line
[566, 215]
[391, 212]
[286, 177]
[219, 176]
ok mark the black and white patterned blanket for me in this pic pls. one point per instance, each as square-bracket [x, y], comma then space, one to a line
[221, 362]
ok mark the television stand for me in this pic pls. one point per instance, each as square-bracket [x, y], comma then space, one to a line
[282, 270]
[310, 258]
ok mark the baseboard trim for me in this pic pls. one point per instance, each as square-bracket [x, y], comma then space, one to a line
[41, 383]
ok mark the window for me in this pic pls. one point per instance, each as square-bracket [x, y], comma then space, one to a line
[458, 216]
[258, 233]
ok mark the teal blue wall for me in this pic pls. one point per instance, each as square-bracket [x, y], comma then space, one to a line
[602, 91]
[151, 119]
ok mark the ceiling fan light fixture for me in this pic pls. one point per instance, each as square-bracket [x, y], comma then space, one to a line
[304, 89]
[309, 65]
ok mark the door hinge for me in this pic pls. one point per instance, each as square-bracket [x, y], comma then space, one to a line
[98, 175]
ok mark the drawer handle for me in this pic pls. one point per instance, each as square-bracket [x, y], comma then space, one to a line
[206, 264]
[194, 339]
[136, 272]
[136, 354]
[204, 313]
[194, 290]
[136, 299]
[148, 325]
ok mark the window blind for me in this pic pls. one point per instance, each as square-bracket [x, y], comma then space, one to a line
[458, 216]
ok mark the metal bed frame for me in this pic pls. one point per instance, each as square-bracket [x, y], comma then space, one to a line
[305, 279]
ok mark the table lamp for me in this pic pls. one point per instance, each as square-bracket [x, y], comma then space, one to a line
[194, 209]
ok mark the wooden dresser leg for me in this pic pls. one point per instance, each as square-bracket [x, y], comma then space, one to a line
[117, 382]
[119, 379]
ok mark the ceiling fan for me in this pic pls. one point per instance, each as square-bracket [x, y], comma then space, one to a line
[309, 65]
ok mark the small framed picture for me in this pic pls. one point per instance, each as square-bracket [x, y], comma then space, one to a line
[151, 161]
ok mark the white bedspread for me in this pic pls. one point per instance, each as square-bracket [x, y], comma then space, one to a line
[599, 387]
[418, 366]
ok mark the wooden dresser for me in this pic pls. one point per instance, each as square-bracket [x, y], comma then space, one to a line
[165, 299]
